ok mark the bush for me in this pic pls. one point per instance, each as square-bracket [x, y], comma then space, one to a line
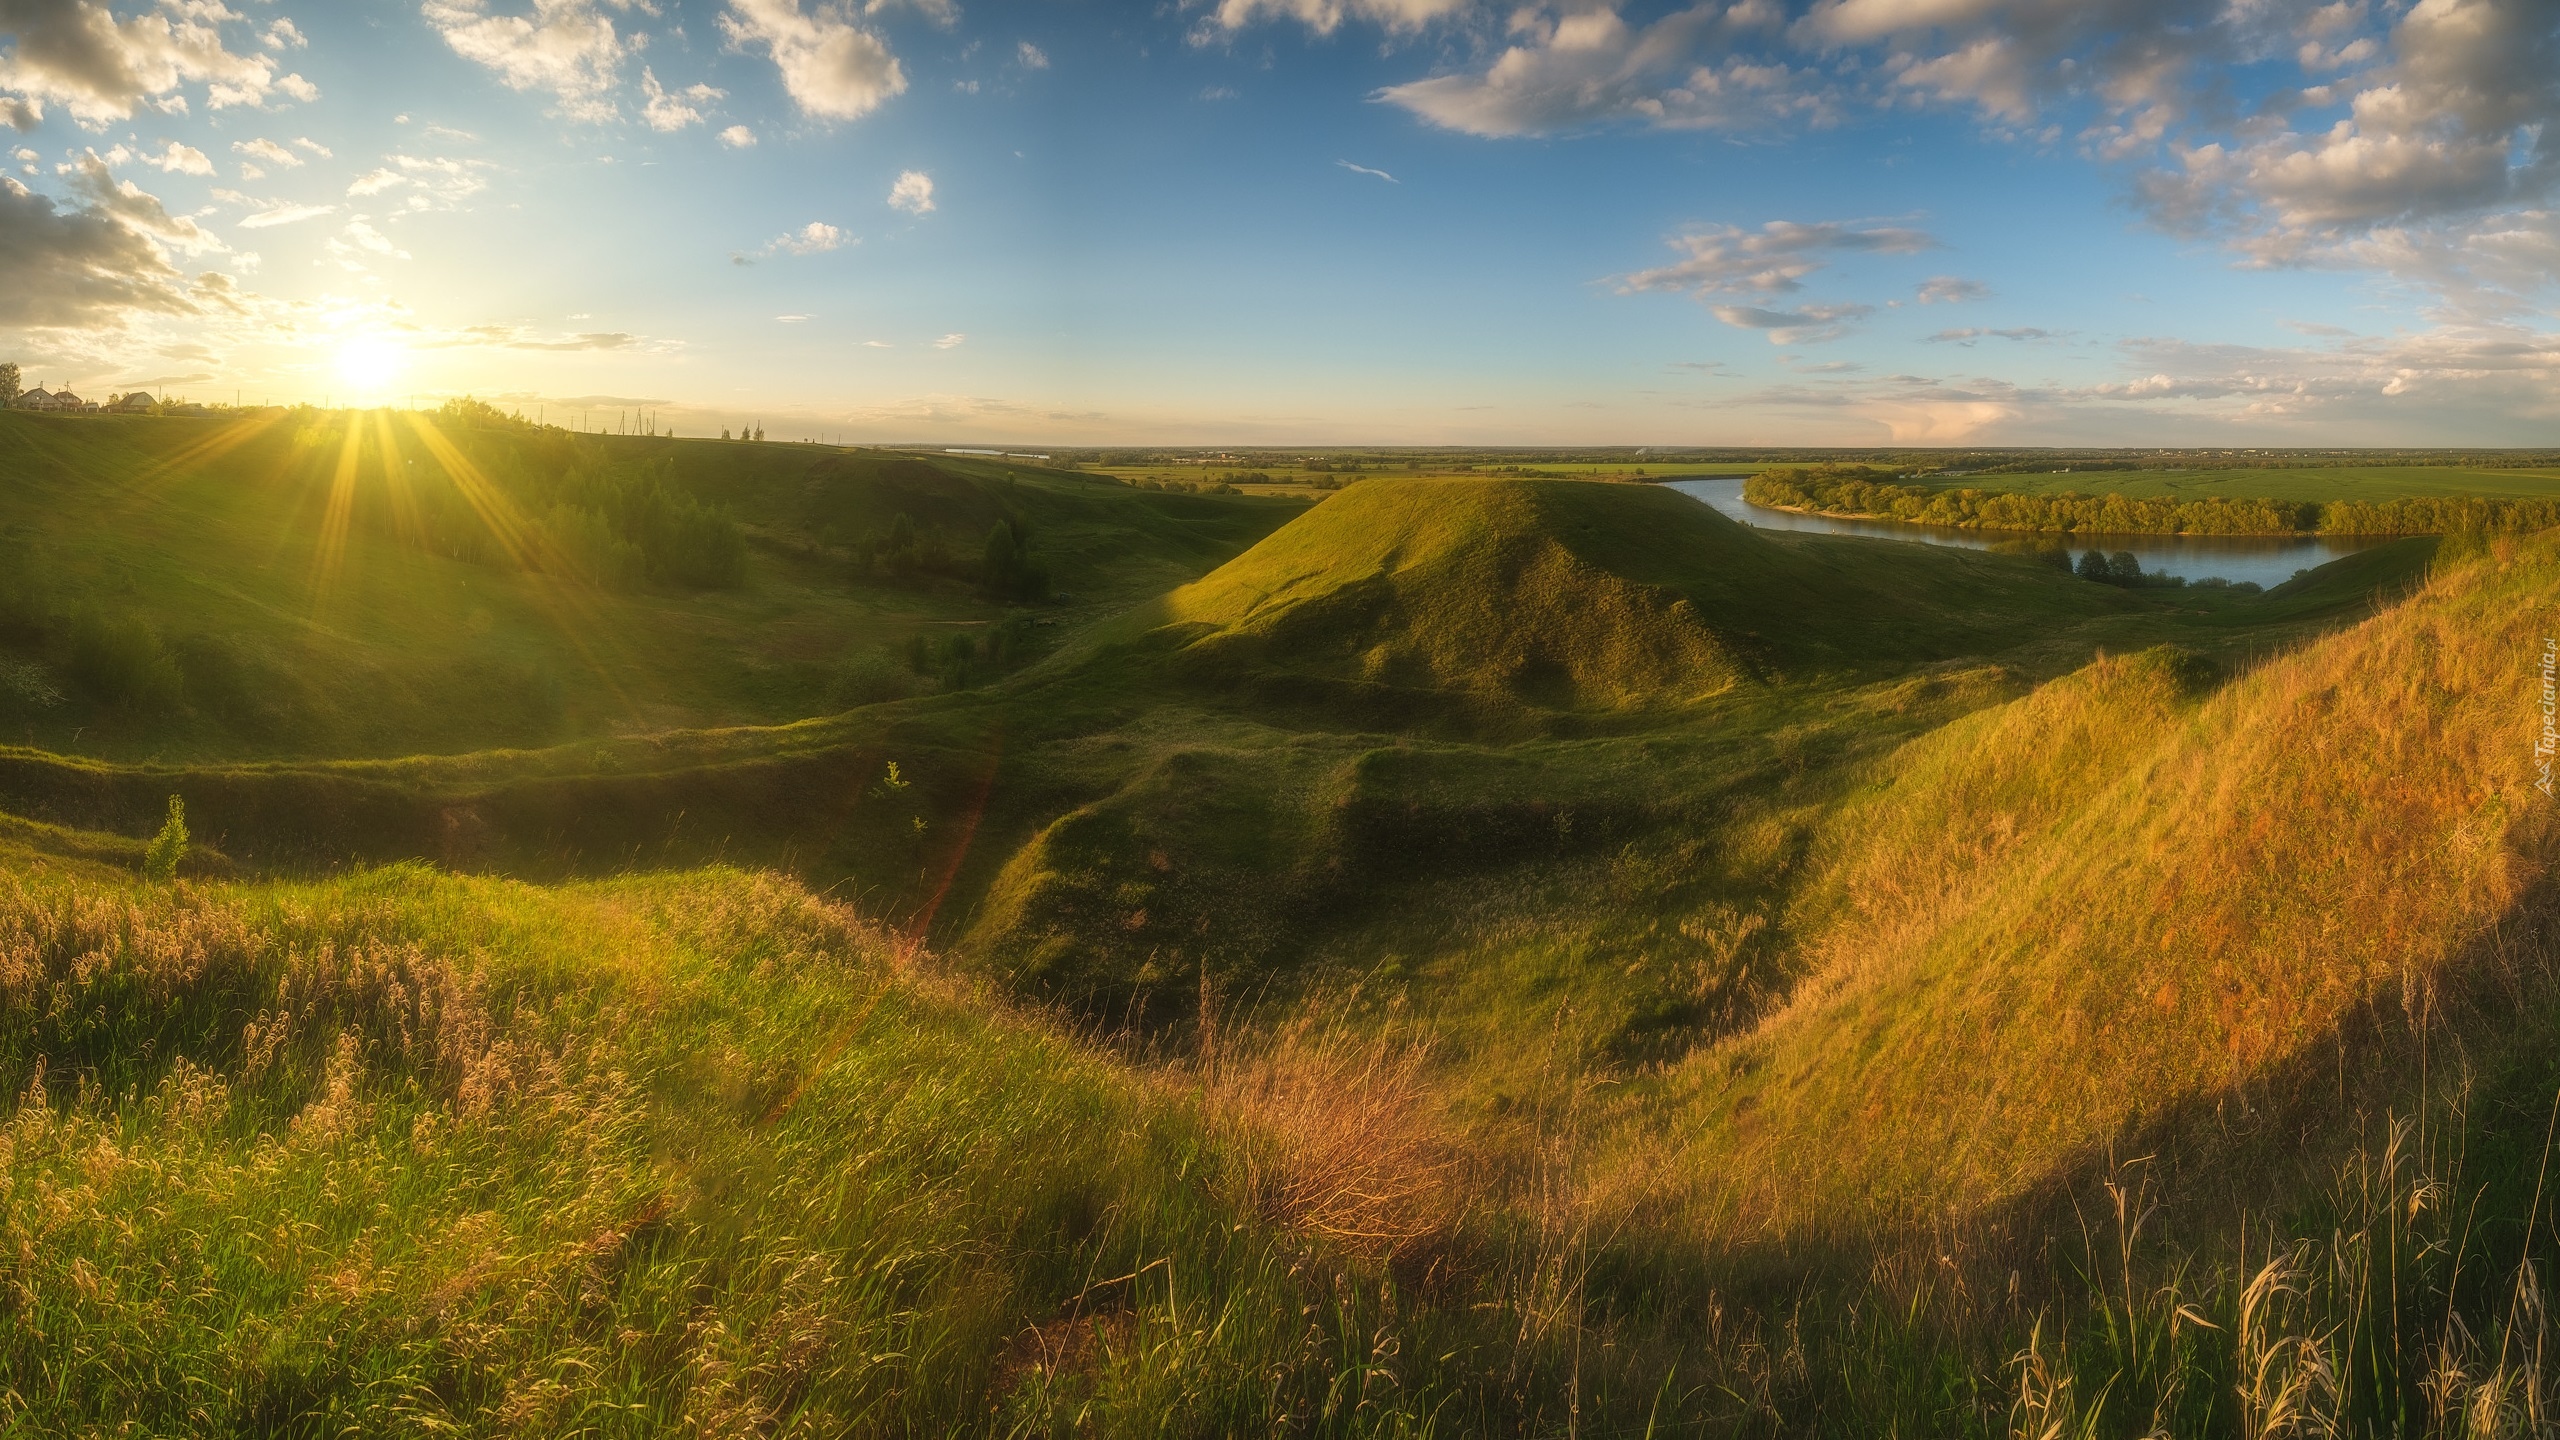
[169, 847]
[121, 662]
[871, 679]
[26, 687]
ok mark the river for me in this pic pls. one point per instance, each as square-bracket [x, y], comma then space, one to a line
[2268, 560]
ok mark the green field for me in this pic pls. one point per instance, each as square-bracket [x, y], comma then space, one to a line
[1458, 953]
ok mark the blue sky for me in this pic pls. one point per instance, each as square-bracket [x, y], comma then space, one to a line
[2249, 222]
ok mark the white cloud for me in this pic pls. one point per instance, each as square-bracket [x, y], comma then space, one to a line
[359, 237]
[517, 337]
[1772, 260]
[1365, 170]
[2297, 130]
[1031, 56]
[436, 182]
[567, 47]
[831, 67]
[79, 269]
[1950, 290]
[282, 35]
[1971, 333]
[1810, 325]
[815, 238]
[305, 142]
[1590, 67]
[913, 193]
[121, 200]
[1326, 16]
[76, 54]
[267, 152]
[952, 341]
[286, 215]
[671, 112]
[2458, 384]
[180, 159]
[738, 137]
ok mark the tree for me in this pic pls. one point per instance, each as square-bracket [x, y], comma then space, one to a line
[9, 386]
[2094, 566]
[1007, 570]
[160, 861]
[2127, 570]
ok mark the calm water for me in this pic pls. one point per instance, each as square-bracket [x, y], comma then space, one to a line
[2270, 561]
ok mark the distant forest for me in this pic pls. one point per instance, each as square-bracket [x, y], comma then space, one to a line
[1852, 490]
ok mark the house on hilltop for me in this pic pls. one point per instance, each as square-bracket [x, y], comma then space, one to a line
[57, 401]
[135, 402]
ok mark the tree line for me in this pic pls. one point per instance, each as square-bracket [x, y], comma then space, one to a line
[1866, 493]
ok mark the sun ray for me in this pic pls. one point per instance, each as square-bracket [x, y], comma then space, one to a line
[406, 521]
[330, 553]
[517, 537]
[138, 491]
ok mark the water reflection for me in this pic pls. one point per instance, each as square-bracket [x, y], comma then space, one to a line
[2268, 560]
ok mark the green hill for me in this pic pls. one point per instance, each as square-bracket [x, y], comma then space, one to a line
[2124, 907]
[1580, 595]
[1538, 957]
[306, 583]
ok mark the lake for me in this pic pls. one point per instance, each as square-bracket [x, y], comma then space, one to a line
[2268, 560]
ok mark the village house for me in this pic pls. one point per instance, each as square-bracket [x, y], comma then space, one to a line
[56, 401]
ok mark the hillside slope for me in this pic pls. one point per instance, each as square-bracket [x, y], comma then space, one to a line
[699, 1153]
[342, 584]
[1588, 595]
[2120, 903]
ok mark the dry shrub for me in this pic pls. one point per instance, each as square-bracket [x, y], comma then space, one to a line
[1336, 1135]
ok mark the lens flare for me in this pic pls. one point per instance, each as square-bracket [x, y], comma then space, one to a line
[370, 363]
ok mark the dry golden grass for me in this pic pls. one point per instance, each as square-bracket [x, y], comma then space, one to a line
[1336, 1133]
[2099, 907]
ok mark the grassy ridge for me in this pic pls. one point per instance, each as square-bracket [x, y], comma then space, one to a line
[2079, 914]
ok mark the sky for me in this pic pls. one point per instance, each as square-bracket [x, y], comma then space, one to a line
[1281, 222]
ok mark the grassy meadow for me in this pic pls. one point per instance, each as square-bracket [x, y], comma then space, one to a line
[1431, 952]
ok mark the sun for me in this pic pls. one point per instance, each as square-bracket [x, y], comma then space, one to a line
[370, 363]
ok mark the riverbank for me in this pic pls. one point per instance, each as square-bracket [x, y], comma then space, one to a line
[1858, 493]
[2267, 561]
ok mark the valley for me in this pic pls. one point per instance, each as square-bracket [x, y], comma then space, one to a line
[755, 938]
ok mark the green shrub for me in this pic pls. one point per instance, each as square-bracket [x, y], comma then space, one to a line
[872, 678]
[120, 660]
[169, 847]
